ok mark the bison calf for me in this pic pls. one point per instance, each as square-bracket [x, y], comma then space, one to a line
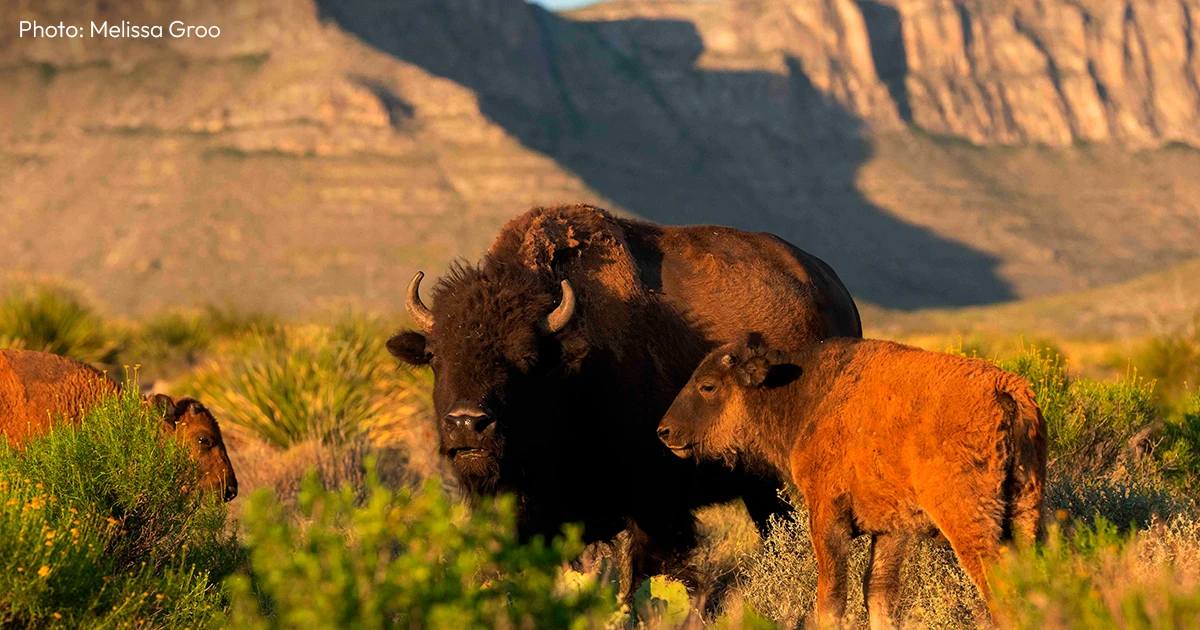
[36, 387]
[881, 439]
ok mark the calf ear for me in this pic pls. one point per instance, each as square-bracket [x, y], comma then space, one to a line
[761, 372]
[409, 347]
[163, 402]
[781, 374]
[753, 371]
[166, 405]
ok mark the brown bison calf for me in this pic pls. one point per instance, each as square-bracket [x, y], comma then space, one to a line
[36, 388]
[881, 439]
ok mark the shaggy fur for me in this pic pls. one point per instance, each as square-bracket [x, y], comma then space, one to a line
[566, 421]
[36, 388]
[881, 439]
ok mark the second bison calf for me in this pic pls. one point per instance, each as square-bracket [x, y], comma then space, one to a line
[881, 439]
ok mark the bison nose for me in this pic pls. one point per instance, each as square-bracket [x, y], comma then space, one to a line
[663, 433]
[468, 420]
[230, 491]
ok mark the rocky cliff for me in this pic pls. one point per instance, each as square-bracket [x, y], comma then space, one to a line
[1053, 72]
[937, 153]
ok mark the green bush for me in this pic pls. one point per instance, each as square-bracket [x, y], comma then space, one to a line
[291, 384]
[1094, 427]
[1100, 578]
[1180, 452]
[1126, 500]
[52, 319]
[95, 532]
[400, 559]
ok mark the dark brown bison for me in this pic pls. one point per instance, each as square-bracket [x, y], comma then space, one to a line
[881, 439]
[555, 356]
[36, 388]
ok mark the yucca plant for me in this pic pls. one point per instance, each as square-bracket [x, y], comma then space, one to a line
[296, 383]
[53, 319]
[172, 336]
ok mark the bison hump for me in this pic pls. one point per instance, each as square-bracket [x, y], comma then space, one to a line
[582, 243]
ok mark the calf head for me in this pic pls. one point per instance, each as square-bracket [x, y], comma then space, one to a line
[711, 416]
[192, 424]
[495, 340]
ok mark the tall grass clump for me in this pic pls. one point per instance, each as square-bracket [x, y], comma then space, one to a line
[53, 319]
[405, 559]
[780, 581]
[173, 336]
[95, 531]
[1098, 577]
[297, 383]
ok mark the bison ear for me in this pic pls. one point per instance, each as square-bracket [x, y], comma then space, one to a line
[753, 372]
[410, 347]
[781, 374]
[164, 402]
[167, 406]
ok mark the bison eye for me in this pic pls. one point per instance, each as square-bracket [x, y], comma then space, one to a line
[708, 388]
[204, 441]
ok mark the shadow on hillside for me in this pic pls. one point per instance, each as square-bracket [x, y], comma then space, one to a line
[625, 106]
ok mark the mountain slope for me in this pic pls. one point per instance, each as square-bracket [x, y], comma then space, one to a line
[319, 151]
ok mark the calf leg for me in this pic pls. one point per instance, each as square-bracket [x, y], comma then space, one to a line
[882, 581]
[976, 543]
[831, 536]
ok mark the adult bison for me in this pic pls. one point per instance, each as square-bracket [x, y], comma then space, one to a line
[37, 387]
[557, 354]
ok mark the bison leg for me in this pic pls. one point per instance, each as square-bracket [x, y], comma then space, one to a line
[976, 543]
[881, 585]
[662, 545]
[831, 536]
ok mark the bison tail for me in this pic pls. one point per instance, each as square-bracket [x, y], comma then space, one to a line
[1026, 479]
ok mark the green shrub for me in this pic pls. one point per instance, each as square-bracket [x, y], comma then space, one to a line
[400, 559]
[52, 319]
[95, 532]
[292, 384]
[1180, 452]
[1094, 427]
[1100, 578]
[1126, 500]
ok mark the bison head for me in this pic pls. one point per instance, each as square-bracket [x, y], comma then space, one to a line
[711, 415]
[493, 340]
[192, 424]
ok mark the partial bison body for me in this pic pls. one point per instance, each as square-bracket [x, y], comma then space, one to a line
[556, 355]
[881, 439]
[36, 388]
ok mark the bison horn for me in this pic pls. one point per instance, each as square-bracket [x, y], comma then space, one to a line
[559, 317]
[417, 310]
